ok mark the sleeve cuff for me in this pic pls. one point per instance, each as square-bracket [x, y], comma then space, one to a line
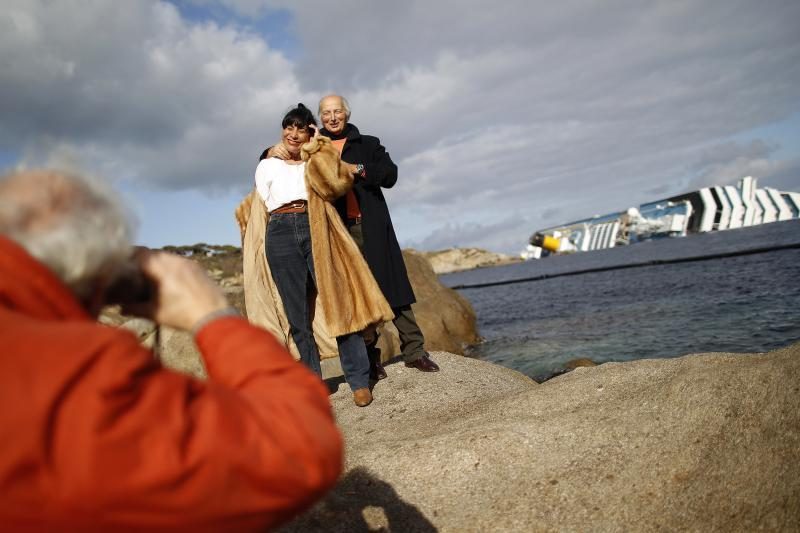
[212, 316]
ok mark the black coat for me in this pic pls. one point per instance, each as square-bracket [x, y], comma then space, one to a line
[381, 249]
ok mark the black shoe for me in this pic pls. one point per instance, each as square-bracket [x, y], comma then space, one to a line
[424, 364]
[376, 370]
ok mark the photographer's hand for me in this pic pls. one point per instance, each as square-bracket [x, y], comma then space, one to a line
[184, 293]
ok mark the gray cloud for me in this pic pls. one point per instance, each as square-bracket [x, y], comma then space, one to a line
[723, 152]
[139, 93]
[554, 111]
[725, 163]
[784, 178]
[500, 235]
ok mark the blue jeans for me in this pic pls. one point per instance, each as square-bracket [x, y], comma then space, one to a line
[292, 264]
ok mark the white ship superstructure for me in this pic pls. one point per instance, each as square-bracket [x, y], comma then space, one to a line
[716, 208]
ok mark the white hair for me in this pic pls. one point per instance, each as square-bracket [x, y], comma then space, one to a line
[75, 225]
[345, 105]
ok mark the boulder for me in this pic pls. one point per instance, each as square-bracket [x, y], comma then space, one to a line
[577, 363]
[141, 327]
[177, 350]
[705, 442]
[445, 317]
[457, 259]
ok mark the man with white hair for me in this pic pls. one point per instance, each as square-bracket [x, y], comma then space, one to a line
[366, 215]
[94, 433]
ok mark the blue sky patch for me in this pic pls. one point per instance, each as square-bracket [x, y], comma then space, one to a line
[276, 26]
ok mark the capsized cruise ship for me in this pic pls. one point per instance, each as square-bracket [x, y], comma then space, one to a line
[715, 208]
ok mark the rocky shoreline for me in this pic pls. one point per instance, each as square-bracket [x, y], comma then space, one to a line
[706, 442]
[459, 259]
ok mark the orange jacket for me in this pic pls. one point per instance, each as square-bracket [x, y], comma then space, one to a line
[95, 435]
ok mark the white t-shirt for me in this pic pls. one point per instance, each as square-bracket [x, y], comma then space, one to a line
[279, 183]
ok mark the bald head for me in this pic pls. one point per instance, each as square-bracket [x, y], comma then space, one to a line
[75, 226]
[334, 112]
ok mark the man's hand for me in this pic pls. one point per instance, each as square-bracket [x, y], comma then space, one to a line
[184, 293]
[353, 169]
[279, 151]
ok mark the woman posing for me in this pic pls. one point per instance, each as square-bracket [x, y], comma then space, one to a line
[308, 247]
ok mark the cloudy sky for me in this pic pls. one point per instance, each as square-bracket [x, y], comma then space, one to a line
[504, 117]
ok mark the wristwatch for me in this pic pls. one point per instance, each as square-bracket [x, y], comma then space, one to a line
[360, 171]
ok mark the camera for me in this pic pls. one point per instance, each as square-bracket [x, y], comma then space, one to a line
[132, 286]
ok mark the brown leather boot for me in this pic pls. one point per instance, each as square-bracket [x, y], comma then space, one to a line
[362, 397]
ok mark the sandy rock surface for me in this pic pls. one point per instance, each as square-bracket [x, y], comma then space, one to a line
[705, 442]
[457, 259]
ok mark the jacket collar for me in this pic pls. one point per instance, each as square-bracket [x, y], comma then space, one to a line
[29, 287]
[350, 133]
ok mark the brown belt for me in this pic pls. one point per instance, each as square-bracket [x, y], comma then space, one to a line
[298, 206]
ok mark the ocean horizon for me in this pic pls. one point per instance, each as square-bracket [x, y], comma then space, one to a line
[736, 303]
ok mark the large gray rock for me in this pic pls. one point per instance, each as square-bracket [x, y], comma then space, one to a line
[177, 350]
[699, 443]
[445, 317]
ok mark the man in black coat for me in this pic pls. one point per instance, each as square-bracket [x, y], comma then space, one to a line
[367, 218]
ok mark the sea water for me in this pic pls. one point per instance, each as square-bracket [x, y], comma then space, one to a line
[746, 303]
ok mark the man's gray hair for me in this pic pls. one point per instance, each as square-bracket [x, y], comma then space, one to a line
[345, 105]
[76, 226]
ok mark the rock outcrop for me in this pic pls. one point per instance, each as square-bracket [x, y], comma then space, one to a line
[457, 259]
[704, 442]
[445, 317]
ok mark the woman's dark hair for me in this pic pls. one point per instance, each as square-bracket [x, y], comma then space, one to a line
[300, 117]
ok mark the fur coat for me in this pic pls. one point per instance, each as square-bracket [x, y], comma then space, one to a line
[348, 297]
